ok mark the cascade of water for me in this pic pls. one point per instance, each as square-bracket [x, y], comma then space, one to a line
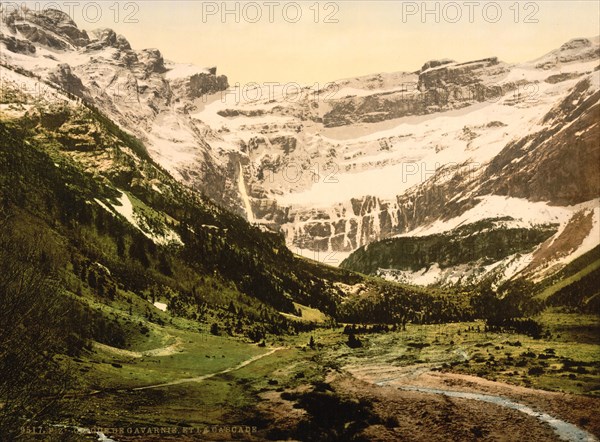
[244, 195]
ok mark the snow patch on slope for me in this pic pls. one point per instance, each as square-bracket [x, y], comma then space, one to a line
[571, 241]
[161, 306]
[125, 209]
[182, 70]
[524, 213]
[328, 257]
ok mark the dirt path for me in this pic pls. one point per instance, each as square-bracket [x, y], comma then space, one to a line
[210, 375]
[161, 351]
[420, 379]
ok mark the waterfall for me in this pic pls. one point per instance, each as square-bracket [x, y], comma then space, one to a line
[244, 195]
[359, 230]
[376, 220]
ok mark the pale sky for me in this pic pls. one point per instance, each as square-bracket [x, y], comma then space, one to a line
[350, 38]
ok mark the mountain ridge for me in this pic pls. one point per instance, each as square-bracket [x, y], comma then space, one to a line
[323, 190]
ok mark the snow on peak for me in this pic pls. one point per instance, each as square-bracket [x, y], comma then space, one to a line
[182, 70]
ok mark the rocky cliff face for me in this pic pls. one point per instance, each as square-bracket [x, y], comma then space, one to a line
[138, 89]
[551, 158]
[50, 28]
[439, 86]
[559, 163]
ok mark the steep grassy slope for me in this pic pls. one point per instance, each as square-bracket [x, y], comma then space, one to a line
[93, 233]
[78, 176]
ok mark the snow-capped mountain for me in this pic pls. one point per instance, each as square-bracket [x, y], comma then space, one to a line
[409, 154]
[146, 95]
[370, 158]
[340, 165]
